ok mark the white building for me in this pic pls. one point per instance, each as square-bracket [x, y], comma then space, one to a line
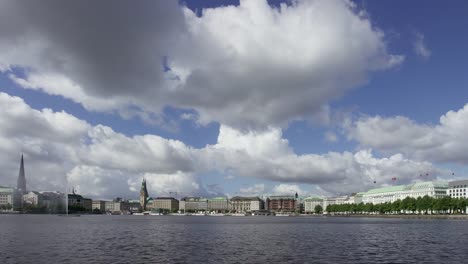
[32, 198]
[435, 189]
[310, 203]
[457, 189]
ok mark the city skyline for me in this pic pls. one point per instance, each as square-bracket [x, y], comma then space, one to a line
[229, 98]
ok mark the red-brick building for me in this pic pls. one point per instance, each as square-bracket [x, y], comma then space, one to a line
[281, 203]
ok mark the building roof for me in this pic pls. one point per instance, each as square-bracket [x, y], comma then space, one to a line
[456, 183]
[218, 199]
[243, 198]
[164, 198]
[7, 189]
[291, 197]
[388, 189]
[429, 184]
[313, 199]
[194, 199]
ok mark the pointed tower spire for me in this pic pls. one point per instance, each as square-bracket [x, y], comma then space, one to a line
[143, 195]
[21, 184]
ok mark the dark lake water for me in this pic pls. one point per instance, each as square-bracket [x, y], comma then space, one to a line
[179, 239]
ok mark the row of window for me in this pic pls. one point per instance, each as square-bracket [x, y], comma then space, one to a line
[457, 190]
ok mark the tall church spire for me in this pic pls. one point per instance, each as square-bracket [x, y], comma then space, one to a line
[21, 184]
[143, 195]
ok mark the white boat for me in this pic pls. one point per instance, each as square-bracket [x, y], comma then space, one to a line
[199, 214]
[239, 214]
[215, 214]
[282, 214]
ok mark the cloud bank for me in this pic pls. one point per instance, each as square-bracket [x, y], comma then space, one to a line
[248, 66]
[103, 163]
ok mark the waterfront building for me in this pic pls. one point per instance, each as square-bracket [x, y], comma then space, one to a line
[78, 201]
[219, 204]
[6, 198]
[457, 189]
[99, 205]
[189, 204]
[143, 195]
[54, 202]
[335, 200]
[165, 203]
[310, 203]
[282, 203]
[246, 204]
[436, 189]
[32, 198]
[134, 206]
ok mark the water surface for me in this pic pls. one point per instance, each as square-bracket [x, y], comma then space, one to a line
[183, 239]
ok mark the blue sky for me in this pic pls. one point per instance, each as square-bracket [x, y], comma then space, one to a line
[420, 88]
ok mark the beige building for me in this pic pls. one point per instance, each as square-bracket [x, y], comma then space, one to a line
[219, 204]
[6, 198]
[246, 204]
[165, 203]
[99, 205]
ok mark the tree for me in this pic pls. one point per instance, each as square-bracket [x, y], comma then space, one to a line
[318, 209]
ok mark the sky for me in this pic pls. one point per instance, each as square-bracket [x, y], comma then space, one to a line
[224, 98]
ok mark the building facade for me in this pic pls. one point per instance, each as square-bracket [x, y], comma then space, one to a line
[219, 204]
[310, 203]
[6, 198]
[193, 204]
[165, 203]
[99, 205]
[282, 203]
[435, 189]
[33, 199]
[246, 204]
[457, 189]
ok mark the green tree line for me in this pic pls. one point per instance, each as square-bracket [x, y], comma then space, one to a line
[420, 205]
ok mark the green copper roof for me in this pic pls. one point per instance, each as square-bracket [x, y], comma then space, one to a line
[388, 189]
[313, 199]
[218, 199]
[429, 184]
[6, 189]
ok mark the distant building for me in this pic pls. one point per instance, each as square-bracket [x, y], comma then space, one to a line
[53, 201]
[143, 195]
[282, 203]
[457, 189]
[134, 206]
[165, 203]
[99, 205]
[6, 198]
[311, 202]
[32, 198]
[78, 202]
[188, 204]
[435, 189]
[219, 204]
[246, 204]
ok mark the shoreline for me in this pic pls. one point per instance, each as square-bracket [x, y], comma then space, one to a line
[451, 217]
